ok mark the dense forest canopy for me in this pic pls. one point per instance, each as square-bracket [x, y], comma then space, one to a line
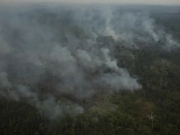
[88, 69]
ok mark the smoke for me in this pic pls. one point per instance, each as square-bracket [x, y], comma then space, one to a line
[50, 56]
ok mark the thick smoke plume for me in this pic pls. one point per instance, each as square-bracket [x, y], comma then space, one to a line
[53, 57]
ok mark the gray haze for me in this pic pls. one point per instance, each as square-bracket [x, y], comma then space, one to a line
[51, 57]
[162, 2]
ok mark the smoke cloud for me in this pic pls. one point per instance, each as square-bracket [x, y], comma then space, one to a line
[51, 57]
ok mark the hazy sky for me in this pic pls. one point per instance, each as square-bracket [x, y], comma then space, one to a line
[164, 2]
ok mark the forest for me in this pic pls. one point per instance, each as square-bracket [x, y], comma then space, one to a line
[89, 70]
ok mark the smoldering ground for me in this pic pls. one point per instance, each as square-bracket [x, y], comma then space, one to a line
[50, 56]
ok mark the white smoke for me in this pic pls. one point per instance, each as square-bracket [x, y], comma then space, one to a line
[47, 54]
